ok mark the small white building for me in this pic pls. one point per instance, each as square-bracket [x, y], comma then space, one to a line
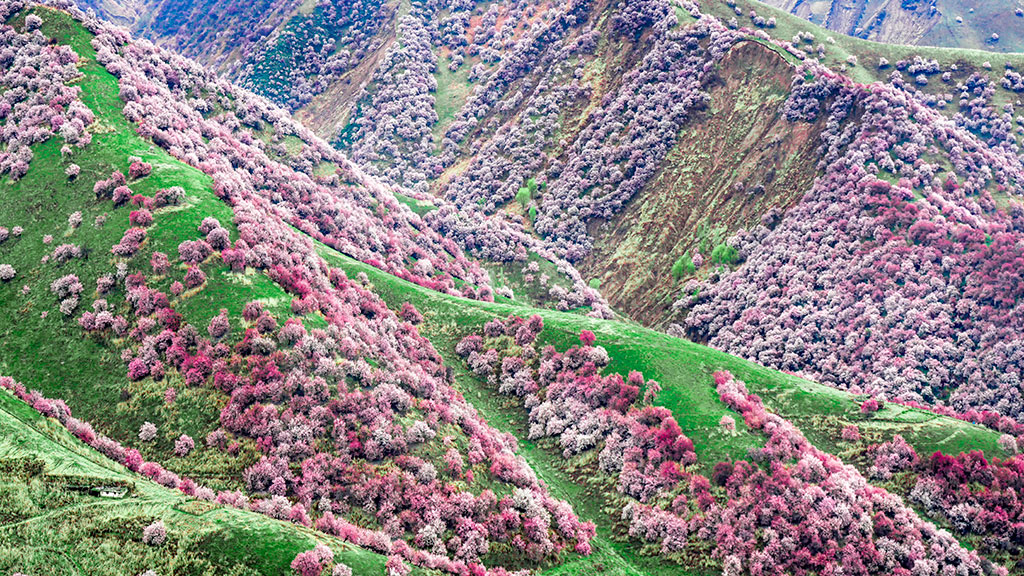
[110, 491]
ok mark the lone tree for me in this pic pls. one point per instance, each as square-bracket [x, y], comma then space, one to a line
[525, 194]
[683, 267]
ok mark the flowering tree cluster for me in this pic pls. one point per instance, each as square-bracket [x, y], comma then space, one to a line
[515, 152]
[393, 132]
[241, 27]
[1012, 80]
[349, 211]
[289, 392]
[313, 562]
[976, 114]
[908, 289]
[767, 516]
[37, 101]
[978, 497]
[392, 135]
[975, 495]
[302, 58]
[568, 399]
[498, 239]
[622, 143]
[832, 515]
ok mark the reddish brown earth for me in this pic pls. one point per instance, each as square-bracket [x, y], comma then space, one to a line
[693, 203]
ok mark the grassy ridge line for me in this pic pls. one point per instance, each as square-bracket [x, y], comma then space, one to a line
[92, 534]
[22, 431]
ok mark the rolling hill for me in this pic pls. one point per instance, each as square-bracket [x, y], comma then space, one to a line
[53, 524]
[274, 345]
[603, 135]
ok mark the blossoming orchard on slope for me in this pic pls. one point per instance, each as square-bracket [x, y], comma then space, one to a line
[344, 414]
[910, 289]
[895, 274]
[906, 288]
[792, 508]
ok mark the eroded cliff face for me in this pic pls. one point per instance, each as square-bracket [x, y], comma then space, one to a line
[732, 164]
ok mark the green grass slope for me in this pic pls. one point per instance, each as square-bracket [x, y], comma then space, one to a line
[50, 353]
[841, 47]
[685, 371]
[47, 530]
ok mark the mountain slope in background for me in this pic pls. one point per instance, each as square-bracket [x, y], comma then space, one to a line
[994, 26]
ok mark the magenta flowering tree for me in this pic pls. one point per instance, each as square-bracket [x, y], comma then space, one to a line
[139, 169]
[194, 251]
[130, 242]
[155, 534]
[870, 406]
[851, 433]
[410, 314]
[219, 326]
[140, 218]
[194, 277]
[159, 262]
[313, 562]
[183, 446]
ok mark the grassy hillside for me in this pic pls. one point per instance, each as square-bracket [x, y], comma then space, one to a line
[41, 346]
[49, 352]
[685, 371]
[840, 47]
[48, 529]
